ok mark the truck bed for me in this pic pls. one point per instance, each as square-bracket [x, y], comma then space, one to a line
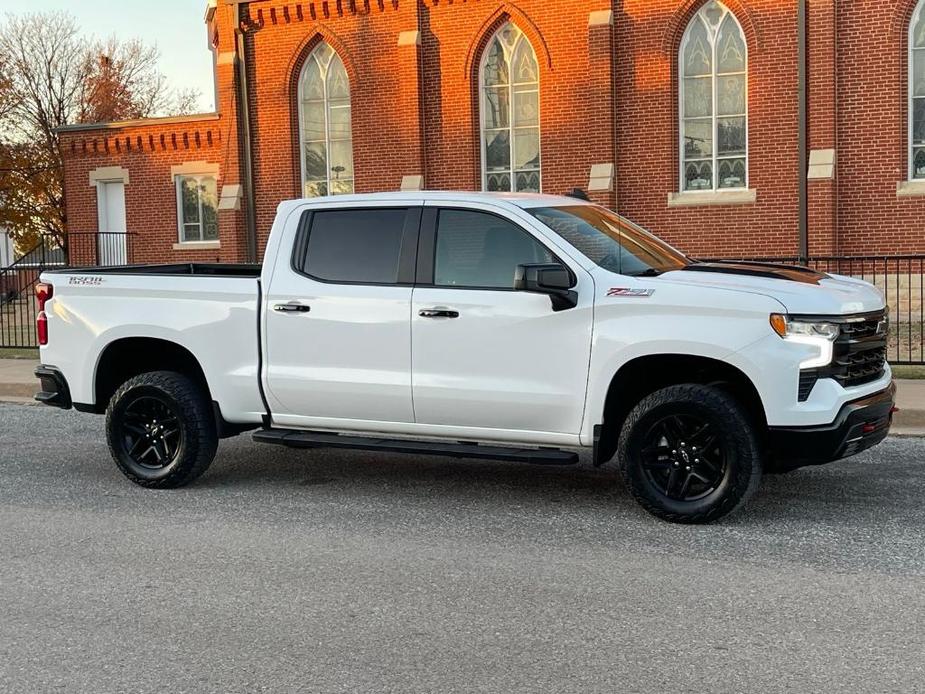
[209, 310]
[173, 269]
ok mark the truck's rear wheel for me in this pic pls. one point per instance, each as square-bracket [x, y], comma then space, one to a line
[689, 455]
[161, 430]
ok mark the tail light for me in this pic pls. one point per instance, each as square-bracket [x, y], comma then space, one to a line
[43, 292]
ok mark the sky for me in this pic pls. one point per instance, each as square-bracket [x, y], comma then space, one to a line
[175, 26]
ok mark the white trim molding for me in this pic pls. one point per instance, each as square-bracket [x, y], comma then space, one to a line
[230, 197]
[600, 18]
[197, 245]
[821, 164]
[910, 189]
[108, 174]
[733, 196]
[192, 168]
[413, 182]
[409, 38]
[601, 178]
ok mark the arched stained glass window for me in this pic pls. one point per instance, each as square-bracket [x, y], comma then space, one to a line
[917, 93]
[713, 63]
[510, 113]
[324, 119]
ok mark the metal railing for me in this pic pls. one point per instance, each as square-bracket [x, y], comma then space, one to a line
[18, 309]
[902, 280]
[900, 277]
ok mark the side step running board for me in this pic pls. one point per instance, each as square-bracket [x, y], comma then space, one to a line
[321, 439]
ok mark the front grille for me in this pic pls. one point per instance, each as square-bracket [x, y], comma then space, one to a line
[860, 350]
[859, 354]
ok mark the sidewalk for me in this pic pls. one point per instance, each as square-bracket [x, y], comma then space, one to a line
[17, 380]
[18, 384]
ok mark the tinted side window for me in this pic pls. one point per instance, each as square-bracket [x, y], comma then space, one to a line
[477, 249]
[355, 245]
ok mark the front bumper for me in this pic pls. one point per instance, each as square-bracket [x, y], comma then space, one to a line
[861, 424]
[55, 391]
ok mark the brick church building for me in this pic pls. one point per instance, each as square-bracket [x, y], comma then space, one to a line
[733, 128]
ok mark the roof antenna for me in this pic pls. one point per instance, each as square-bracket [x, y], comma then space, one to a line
[579, 194]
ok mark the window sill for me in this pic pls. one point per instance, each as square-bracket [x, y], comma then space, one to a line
[197, 245]
[718, 197]
[910, 189]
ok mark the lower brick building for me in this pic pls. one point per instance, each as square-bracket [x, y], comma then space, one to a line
[684, 115]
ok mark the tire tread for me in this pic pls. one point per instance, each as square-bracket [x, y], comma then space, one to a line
[741, 431]
[201, 438]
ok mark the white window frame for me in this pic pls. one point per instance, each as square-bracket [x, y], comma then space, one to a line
[682, 178]
[508, 55]
[181, 225]
[910, 91]
[327, 120]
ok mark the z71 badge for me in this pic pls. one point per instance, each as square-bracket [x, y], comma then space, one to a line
[631, 293]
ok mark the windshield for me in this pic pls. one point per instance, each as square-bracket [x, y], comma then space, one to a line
[610, 241]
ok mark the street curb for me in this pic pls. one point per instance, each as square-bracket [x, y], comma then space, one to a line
[18, 390]
[908, 432]
[912, 419]
[13, 400]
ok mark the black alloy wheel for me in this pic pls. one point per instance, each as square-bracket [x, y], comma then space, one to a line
[683, 457]
[689, 453]
[150, 433]
[161, 429]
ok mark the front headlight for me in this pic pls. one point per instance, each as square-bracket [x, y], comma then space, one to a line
[819, 334]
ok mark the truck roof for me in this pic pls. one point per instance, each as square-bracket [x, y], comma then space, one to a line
[522, 200]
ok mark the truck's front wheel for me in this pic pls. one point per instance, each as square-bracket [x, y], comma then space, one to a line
[689, 455]
[161, 430]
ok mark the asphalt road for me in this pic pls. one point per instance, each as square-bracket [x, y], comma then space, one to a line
[344, 571]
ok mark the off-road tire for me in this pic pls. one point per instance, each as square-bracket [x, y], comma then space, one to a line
[198, 439]
[741, 453]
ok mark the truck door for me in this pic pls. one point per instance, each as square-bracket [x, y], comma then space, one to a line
[483, 354]
[337, 318]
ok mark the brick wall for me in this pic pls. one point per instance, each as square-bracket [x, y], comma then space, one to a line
[148, 152]
[607, 94]
[872, 91]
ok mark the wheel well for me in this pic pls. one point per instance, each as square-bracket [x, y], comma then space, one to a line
[642, 376]
[129, 357]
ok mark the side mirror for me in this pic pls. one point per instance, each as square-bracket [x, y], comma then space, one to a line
[552, 279]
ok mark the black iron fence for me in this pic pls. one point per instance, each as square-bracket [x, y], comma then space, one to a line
[902, 280]
[900, 277]
[17, 281]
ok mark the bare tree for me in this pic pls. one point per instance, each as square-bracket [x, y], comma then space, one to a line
[52, 76]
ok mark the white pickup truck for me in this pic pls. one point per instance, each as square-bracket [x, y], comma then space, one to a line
[516, 327]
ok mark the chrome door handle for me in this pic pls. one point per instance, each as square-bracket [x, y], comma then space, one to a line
[438, 313]
[292, 308]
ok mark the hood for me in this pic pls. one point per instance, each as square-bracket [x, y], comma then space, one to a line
[801, 290]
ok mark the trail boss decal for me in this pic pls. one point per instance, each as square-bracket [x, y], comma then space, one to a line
[85, 281]
[631, 293]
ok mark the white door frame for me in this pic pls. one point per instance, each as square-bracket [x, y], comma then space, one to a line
[111, 250]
